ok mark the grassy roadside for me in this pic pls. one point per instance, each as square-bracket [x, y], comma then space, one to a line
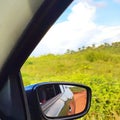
[98, 68]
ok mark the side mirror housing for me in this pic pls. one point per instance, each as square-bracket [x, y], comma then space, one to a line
[58, 100]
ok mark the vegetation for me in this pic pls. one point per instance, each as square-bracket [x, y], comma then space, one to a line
[77, 89]
[97, 67]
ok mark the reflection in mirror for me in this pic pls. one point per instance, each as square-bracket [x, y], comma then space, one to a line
[57, 100]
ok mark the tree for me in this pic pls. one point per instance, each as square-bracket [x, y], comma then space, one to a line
[83, 47]
[68, 51]
[93, 45]
[79, 49]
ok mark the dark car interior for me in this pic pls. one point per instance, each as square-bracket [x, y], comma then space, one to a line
[12, 95]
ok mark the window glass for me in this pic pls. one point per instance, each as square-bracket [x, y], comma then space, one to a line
[83, 46]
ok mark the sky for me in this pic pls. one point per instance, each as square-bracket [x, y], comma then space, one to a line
[84, 23]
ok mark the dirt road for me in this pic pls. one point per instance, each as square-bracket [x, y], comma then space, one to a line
[80, 100]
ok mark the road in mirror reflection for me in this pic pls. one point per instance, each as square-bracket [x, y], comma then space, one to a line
[62, 100]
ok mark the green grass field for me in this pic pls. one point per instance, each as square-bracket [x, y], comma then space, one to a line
[98, 68]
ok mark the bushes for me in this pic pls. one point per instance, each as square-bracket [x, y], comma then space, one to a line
[98, 55]
[98, 68]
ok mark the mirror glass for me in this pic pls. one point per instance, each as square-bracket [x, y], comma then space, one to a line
[60, 100]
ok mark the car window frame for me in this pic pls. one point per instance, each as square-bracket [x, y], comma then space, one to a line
[31, 36]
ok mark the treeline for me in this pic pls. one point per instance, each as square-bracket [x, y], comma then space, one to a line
[115, 46]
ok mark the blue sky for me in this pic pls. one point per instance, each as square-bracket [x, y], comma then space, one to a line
[108, 14]
[84, 23]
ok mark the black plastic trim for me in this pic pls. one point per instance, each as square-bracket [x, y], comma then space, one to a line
[44, 18]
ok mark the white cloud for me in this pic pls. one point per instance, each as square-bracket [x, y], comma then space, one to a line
[100, 4]
[118, 1]
[78, 30]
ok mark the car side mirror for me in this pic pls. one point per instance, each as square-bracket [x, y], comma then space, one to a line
[62, 100]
